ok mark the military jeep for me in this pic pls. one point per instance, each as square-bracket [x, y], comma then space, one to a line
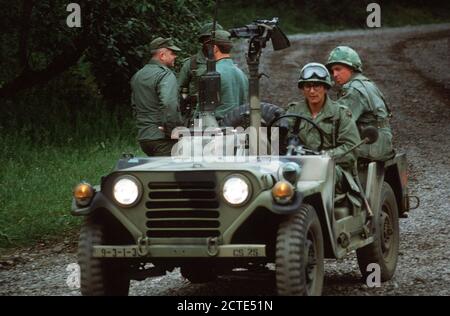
[151, 215]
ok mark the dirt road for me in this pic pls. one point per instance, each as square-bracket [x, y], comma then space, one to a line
[411, 66]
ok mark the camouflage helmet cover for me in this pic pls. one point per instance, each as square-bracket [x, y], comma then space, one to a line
[206, 29]
[314, 72]
[345, 55]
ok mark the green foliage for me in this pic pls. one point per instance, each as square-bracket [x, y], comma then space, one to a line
[37, 45]
[121, 46]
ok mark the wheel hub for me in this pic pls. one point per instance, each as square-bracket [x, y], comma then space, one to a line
[386, 232]
[311, 263]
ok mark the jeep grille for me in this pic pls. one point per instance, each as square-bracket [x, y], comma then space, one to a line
[182, 209]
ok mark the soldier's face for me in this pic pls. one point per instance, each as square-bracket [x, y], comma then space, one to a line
[168, 57]
[314, 93]
[341, 73]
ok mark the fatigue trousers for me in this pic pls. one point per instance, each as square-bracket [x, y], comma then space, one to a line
[157, 148]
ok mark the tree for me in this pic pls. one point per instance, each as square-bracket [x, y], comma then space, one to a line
[38, 45]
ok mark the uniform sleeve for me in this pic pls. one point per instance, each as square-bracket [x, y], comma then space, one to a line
[355, 101]
[347, 137]
[184, 77]
[168, 94]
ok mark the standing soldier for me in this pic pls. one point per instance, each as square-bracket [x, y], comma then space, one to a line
[193, 67]
[155, 99]
[233, 81]
[364, 99]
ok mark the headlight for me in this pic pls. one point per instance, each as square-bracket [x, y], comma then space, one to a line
[83, 194]
[236, 190]
[127, 191]
[283, 192]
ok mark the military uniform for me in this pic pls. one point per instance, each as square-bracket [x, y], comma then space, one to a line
[368, 106]
[193, 68]
[366, 102]
[339, 130]
[155, 104]
[233, 87]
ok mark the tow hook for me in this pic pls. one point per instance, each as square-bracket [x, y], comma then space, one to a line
[213, 246]
[142, 244]
[412, 197]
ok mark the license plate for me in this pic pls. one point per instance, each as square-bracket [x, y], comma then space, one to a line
[115, 252]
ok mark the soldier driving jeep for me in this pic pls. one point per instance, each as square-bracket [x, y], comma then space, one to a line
[340, 132]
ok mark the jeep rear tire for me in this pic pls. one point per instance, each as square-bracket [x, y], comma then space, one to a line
[100, 276]
[300, 254]
[384, 250]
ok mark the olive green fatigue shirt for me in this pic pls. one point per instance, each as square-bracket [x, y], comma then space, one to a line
[189, 74]
[368, 107]
[340, 134]
[233, 87]
[155, 101]
[340, 131]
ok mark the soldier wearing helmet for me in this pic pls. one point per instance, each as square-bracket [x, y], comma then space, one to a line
[193, 67]
[335, 120]
[364, 99]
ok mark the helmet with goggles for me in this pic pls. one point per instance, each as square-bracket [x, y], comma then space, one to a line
[314, 72]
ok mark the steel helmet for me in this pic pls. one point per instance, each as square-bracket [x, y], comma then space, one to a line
[206, 29]
[314, 72]
[345, 55]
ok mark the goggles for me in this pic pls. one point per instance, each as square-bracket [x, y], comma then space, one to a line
[314, 71]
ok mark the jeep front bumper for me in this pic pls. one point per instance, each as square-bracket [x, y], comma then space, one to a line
[174, 251]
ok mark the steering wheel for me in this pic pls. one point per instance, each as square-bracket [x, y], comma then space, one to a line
[296, 128]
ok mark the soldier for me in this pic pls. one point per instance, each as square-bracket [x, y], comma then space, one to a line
[193, 67]
[335, 120]
[155, 99]
[233, 81]
[364, 99]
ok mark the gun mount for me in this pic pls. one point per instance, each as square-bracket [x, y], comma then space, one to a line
[259, 33]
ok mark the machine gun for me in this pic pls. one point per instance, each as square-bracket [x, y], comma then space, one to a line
[262, 31]
[259, 33]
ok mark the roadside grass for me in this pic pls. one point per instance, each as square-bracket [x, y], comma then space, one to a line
[37, 183]
[45, 152]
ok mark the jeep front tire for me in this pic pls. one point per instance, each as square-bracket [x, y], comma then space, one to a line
[100, 276]
[300, 254]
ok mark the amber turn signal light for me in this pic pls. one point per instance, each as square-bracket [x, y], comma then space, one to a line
[83, 194]
[283, 192]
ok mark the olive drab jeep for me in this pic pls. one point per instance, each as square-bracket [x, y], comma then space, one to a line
[209, 217]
